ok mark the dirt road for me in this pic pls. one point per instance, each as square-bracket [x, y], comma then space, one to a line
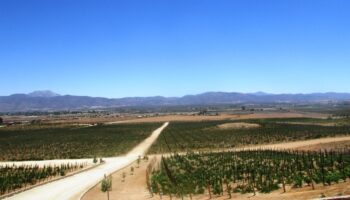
[75, 186]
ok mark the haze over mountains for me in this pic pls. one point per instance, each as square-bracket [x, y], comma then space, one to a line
[50, 101]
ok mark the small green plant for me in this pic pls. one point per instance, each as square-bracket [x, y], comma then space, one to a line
[106, 185]
[138, 161]
[123, 176]
[62, 172]
[94, 160]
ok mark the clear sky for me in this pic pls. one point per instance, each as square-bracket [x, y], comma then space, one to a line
[114, 48]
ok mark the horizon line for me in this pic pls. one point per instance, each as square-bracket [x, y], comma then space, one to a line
[180, 96]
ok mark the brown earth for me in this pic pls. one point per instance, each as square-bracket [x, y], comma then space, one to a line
[291, 194]
[340, 145]
[310, 123]
[298, 144]
[132, 188]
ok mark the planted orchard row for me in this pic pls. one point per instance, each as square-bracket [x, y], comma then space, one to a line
[71, 142]
[246, 172]
[187, 136]
[16, 177]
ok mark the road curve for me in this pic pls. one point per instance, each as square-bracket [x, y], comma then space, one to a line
[75, 186]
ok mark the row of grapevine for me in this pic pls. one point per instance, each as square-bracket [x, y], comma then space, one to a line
[150, 168]
[247, 172]
[16, 177]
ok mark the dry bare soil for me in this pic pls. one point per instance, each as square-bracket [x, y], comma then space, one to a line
[238, 125]
[339, 145]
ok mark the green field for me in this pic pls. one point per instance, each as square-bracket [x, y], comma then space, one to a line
[41, 143]
[247, 172]
[188, 136]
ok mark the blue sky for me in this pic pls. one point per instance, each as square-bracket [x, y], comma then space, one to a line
[116, 48]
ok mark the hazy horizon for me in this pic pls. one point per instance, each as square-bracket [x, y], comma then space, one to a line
[173, 48]
[256, 92]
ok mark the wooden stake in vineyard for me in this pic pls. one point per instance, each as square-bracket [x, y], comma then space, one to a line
[132, 170]
[209, 191]
[123, 176]
[138, 161]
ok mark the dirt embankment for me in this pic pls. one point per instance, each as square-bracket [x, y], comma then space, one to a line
[310, 123]
[336, 145]
[238, 125]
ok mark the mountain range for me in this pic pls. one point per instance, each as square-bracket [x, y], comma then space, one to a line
[50, 101]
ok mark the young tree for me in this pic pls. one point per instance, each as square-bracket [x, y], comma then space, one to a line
[145, 158]
[138, 161]
[132, 170]
[106, 185]
[62, 172]
[94, 160]
[123, 176]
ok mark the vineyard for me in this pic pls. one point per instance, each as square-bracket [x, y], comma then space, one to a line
[255, 171]
[71, 142]
[13, 178]
[188, 136]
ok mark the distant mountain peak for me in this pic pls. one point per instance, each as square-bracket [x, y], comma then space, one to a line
[259, 93]
[43, 93]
